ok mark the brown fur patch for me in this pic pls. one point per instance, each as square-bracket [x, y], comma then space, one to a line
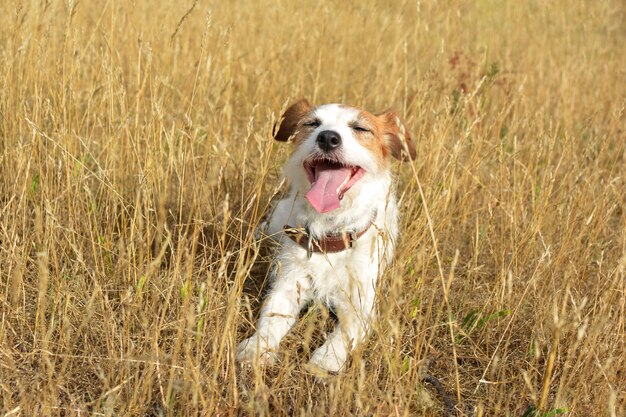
[291, 118]
[373, 140]
[397, 136]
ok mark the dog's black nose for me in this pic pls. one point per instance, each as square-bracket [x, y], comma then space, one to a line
[328, 140]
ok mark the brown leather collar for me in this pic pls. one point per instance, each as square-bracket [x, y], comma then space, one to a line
[329, 243]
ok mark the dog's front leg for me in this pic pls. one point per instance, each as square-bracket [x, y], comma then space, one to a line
[355, 313]
[290, 292]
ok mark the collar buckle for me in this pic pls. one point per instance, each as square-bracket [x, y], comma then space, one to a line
[351, 239]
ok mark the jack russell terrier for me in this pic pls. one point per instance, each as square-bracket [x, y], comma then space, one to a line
[336, 229]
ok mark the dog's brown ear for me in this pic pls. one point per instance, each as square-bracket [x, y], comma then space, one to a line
[290, 119]
[397, 136]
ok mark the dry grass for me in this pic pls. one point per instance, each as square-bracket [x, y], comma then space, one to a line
[136, 160]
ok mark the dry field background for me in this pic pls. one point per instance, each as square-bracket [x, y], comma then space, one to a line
[136, 159]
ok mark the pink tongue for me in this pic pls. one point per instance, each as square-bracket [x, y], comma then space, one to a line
[324, 192]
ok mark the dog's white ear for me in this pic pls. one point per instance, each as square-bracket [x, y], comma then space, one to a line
[397, 136]
[290, 120]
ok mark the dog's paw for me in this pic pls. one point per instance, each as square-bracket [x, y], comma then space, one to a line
[255, 349]
[320, 374]
[325, 360]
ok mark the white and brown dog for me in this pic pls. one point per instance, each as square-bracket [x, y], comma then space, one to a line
[337, 227]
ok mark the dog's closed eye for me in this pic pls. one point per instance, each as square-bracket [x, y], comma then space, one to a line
[312, 123]
[360, 128]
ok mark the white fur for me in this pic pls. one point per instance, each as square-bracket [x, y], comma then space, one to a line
[345, 280]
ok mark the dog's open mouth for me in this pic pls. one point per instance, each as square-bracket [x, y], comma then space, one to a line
[330, 180]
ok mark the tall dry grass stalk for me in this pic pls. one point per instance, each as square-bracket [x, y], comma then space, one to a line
[136, 160]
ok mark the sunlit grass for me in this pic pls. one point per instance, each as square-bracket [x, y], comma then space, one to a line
[136, 160]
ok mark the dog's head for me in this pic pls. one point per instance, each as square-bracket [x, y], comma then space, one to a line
[340, 149]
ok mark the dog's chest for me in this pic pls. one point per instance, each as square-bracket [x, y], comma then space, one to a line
[345, 271]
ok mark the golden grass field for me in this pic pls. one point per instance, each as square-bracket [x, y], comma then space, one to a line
[136, 159]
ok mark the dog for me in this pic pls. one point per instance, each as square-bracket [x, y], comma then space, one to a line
[336, 229]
